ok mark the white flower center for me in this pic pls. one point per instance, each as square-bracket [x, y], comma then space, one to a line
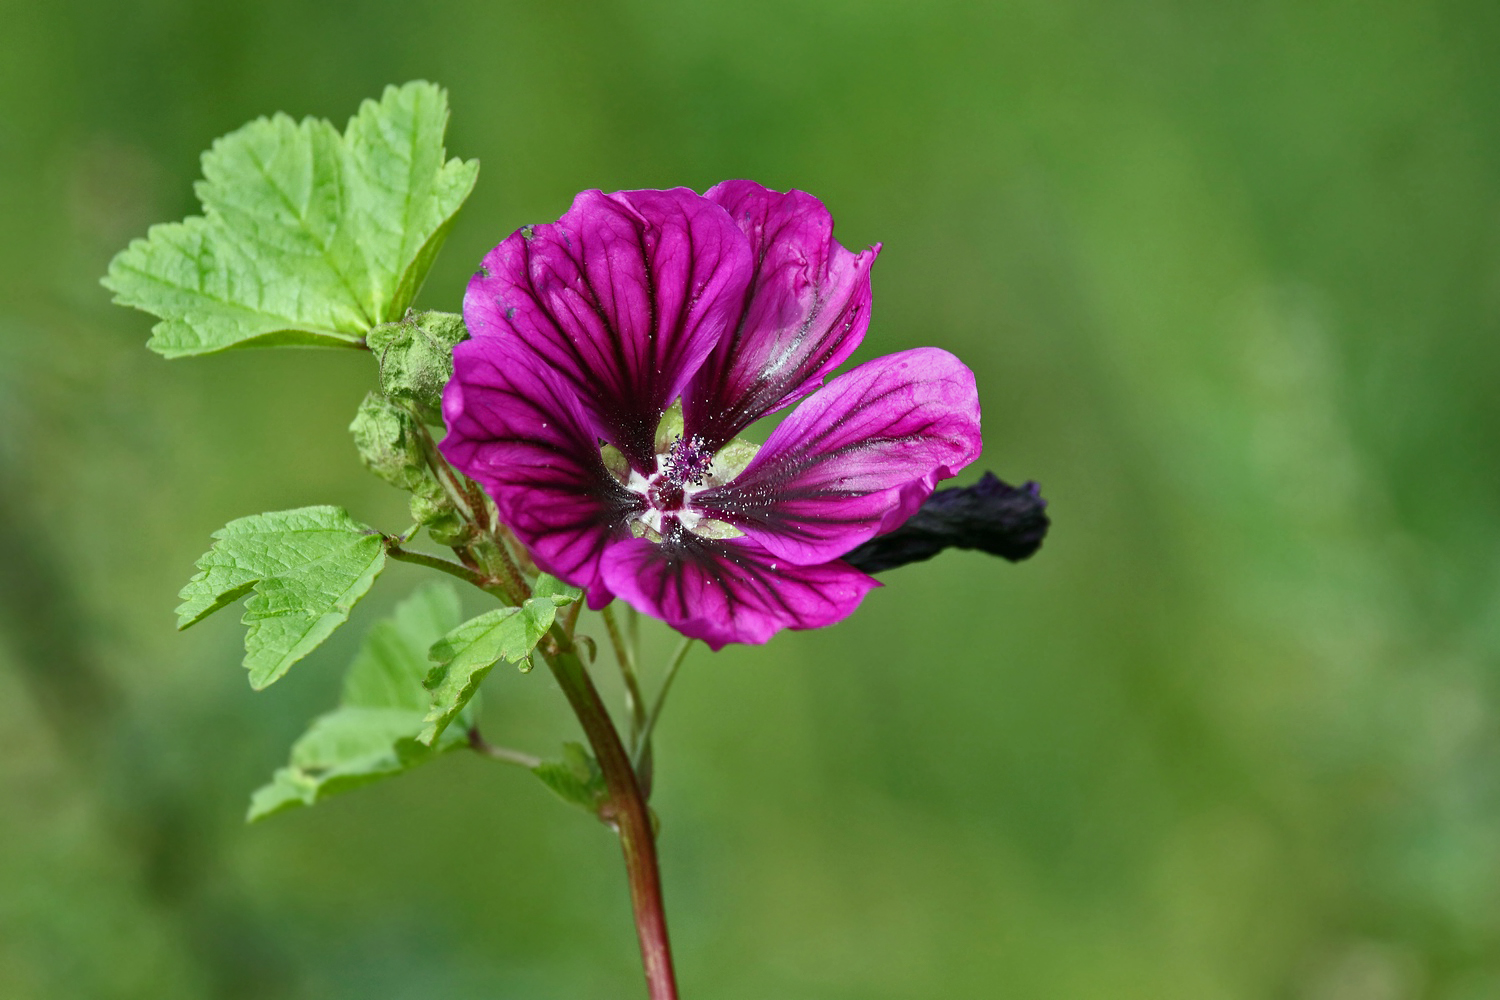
[684, 468]
[682, 471]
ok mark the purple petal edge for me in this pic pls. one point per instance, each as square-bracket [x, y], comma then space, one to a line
[624, 297]
[856, 458]
[521, 434]
[805, 311]
[730, 590]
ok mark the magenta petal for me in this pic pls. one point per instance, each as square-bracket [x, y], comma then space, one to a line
[856, 457]
[624, 297]
[724, 591]
[518, 431]
[910, 500]
[807, 309]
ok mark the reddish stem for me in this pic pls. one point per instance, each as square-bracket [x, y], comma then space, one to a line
[625, 809]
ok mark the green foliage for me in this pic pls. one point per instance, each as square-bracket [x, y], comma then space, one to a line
[370, 735]
[307, 567]
[549, 587]
[308, 237]
[576, 778]
[416, 358]
[465, 655]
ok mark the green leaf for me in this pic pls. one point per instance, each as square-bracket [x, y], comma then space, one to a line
[307, 567]
[390, 667]
[416, 358]
[394, 446]
[370, 735]
[550, 588]
[308, 237]
[576, 778]
[465, 655]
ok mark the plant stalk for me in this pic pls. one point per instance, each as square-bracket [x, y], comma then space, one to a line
[642, 747]
[488, 584]
[505, 755]
[625, 809]
[635, 705]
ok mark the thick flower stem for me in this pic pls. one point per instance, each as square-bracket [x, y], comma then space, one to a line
[625, 809]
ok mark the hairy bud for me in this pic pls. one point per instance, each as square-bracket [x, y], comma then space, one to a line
[416, 359]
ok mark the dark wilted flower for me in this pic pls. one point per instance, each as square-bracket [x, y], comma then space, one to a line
[991, 516]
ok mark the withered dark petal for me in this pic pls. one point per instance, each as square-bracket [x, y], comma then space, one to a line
[991, 516]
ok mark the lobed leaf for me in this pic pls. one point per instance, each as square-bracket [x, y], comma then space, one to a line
[308, 237]
[550, 588]
[307, 569]
[371, 735]
[463, 657]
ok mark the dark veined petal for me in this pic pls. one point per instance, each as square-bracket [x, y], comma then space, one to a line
[730, 590]
[624, 297]
[805, 311]
[856, 457]
[516, 429]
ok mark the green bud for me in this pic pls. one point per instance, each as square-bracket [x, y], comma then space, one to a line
[416, 358]
[434, 511]
[390, 443]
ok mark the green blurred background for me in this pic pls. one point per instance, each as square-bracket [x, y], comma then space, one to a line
[1229, 275]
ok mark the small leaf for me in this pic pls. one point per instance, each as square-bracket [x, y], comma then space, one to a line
[393, 445]
[433, 509]
[576, 778]
[307, 567]
[343, 750]
[464, 656]
[370, 735]
[554, 590]
[308, 237]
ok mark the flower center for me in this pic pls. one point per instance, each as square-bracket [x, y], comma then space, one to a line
[666, 496]
[683, 468]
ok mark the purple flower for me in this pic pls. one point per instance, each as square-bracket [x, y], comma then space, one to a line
[733, 304]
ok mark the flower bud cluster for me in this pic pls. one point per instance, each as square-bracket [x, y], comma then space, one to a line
[390, 427]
